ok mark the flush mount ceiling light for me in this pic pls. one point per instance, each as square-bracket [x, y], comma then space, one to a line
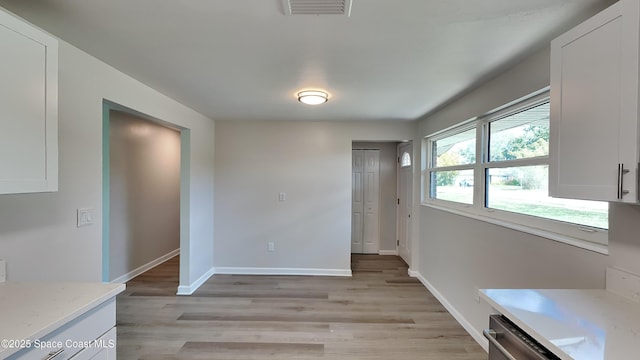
[313, 97]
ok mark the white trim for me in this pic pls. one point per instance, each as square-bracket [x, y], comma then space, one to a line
[388, 252]
[190, 289]
[475, 334]
[148, 266]
[584, 244]
[282, 271]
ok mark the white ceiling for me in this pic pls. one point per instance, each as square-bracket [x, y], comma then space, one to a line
[245, 59]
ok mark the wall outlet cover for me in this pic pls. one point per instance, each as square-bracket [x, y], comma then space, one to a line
[3, 271]
[476, 294]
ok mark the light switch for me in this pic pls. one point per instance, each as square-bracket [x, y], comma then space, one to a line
[85, 217]
[282, 196]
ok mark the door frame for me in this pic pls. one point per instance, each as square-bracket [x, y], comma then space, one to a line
[185, 180]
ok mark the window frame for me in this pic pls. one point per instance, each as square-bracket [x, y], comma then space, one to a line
[590, 238]
[472, 166]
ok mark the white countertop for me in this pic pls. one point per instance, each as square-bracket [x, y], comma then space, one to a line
[573, 324]
[32, 310]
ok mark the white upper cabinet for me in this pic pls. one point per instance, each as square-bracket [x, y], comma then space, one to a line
[28, 108]
[594, 107]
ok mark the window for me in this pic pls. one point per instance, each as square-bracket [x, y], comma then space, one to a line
[406, 160]
[452, 161]
[496, 168]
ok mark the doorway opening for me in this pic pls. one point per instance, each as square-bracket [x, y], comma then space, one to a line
[144, 175]
[380, 205]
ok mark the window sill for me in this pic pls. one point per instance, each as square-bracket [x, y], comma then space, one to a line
[580, 243]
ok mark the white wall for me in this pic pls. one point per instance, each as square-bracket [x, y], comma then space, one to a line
[624, 238]
[388, 190]
[311, 162]
[38, 233]
[144, 216]
[458, 254]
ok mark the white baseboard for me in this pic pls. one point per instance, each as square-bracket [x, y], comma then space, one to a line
[190, 289]
[475, 334]
[148, 266]
[282, 271]
[388, 252]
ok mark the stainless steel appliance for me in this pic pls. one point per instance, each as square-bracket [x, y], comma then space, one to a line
[508, 342]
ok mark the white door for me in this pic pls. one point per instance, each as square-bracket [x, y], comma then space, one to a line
[365, 205]
[405, 192]
[357, 201]
[371, 241]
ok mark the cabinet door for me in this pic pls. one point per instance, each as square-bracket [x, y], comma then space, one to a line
[103, 348]
[594, 107]
[28, 108]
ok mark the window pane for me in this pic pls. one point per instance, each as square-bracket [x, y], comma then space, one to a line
[406, 160]
[458, 149]
[524, 190]
[521, 135]
[452, 185]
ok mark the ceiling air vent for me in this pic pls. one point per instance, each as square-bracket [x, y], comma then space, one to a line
[317, 7]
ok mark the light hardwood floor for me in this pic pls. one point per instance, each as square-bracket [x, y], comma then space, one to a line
[379, 313]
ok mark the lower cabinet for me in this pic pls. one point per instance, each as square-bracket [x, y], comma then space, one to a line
[91, 335]
[104, 349]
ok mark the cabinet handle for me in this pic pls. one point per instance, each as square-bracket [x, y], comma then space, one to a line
[621, 172]
[492, 336]
[619, 181]
[54, 354]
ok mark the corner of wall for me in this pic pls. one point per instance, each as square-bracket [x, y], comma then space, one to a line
[191, 288]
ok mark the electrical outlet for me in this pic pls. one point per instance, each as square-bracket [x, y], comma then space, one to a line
[282, 196]
[271, 246]
[3, 271]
